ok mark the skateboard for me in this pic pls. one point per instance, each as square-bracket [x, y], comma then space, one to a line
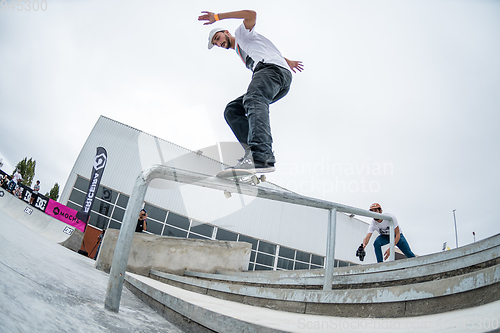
[240, 176]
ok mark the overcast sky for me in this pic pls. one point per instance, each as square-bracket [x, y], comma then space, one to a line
[398, 103]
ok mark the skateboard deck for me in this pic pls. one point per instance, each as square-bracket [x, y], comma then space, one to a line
[240, 176]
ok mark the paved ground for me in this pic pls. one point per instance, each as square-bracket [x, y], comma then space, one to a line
[45, 287]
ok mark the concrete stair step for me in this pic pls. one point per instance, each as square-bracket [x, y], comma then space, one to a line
[410, 275]
[441, 257]
[450, 293]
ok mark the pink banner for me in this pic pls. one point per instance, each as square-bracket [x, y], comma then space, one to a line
[64, 214]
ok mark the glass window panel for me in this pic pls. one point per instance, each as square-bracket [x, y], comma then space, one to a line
[154, 213]
[173, 232]
[101, 207]
[315, 267]
[108, 194]
[98, 221]
[225, 235]
[265, 259]
[195, 236]
[82, 184]
[154, 227]
[74, 206]
[114, 225]
[318, 260]
[250, 267]
[300, 265]
[343, 263]
[286, 252]
[285, 263]
[267, 247]
[252, 256]
[178, 221]
[122, 200]
[118, 214]
[202, 228]
[262, 268]
[301, 256]
[77, 197]
[250, 240]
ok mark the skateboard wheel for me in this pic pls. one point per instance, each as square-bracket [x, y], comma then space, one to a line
[227, 194]
[255, 179]
[263, 178]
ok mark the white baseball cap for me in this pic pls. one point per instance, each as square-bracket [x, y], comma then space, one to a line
[211, 36]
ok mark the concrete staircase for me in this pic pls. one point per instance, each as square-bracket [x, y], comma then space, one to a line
[462, 278]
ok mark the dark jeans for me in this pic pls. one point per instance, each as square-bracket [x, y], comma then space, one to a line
[248, 115]
[11, 186]
[384, 240]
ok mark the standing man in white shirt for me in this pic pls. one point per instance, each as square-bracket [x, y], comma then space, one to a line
[248, 115]
[383, 228]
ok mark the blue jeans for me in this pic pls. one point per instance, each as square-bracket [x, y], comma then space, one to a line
[384, 240]
[248, 115]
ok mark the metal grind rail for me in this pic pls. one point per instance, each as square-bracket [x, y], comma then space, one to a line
[124, 242]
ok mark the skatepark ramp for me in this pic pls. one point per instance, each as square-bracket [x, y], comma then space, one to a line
[45, 225]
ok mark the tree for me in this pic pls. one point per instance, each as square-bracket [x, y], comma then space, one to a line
[54, 192]
[27, 170]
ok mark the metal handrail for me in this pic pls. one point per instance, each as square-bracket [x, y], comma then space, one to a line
[124, 242]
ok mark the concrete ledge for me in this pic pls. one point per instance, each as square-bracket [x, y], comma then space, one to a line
[175, 255]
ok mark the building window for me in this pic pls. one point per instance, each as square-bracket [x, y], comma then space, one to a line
[250, 240]
[267, 247]
[122, 201]
[285, 264]
[155, 213]
[178, 221]
[174, 232]
[265, 259]
[224, 235]
[201, 228]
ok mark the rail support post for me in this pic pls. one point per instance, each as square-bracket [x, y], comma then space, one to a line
[330, 249]
[392, 255]
[124, 244]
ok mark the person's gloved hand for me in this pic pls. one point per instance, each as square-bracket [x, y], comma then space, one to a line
[361, 252]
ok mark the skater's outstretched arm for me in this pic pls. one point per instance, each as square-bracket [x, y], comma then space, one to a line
[249, 17]
[295, 65]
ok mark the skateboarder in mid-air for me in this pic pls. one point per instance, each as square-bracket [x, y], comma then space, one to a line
[248, 115]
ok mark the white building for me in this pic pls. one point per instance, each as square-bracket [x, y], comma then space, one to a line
[284, 236]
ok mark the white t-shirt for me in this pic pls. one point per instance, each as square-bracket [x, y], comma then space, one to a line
[253, 48]
[383, 227]
[17, 176]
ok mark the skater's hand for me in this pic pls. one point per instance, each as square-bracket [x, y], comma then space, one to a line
[295, 65]
[207, 16]
[387, 254]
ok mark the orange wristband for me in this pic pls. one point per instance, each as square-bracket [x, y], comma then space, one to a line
[216, 16]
